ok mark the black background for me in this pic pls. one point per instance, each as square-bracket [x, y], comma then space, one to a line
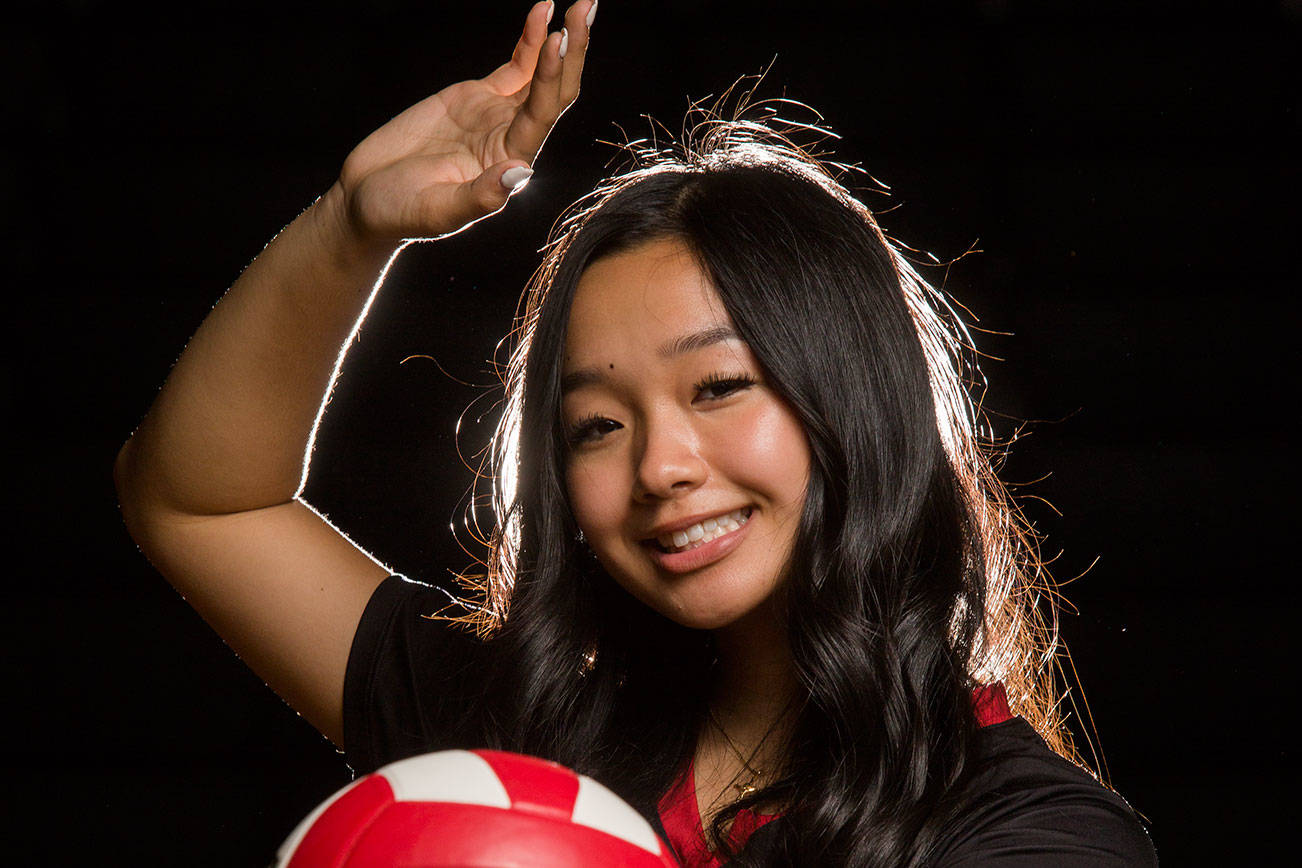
[1128, 170]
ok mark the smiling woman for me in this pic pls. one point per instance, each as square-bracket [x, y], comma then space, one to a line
[749, 564]
[740, 493]
[675, 436]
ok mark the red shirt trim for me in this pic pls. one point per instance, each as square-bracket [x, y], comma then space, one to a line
[682, 820]
[990, 702]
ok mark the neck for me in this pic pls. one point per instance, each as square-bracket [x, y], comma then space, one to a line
[756, 682]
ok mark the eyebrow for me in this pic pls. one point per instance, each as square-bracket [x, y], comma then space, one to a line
[696, 341]
[681, 345]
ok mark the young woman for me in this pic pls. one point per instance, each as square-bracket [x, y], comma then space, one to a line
[750, 567]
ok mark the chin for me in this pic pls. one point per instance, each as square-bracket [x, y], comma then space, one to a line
[706, 621]
[708, 602]
[704, 616]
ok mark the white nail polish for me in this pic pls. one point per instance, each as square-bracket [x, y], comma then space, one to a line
[515, 178]
[565, 41]
[551, 10]
[592, 13]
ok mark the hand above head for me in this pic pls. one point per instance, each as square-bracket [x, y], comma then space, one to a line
[437, 167]
[210, 482]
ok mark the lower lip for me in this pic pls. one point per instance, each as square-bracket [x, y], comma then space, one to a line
[701, 556]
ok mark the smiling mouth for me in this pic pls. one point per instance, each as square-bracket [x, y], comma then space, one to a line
[702, 532]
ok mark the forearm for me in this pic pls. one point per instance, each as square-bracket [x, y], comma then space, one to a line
[229, 428]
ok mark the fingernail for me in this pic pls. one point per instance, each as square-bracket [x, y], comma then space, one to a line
[515, 178]
[592, 13]
[551, 10]
[565, 41]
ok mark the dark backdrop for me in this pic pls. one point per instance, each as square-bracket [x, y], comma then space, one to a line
[1128, 172]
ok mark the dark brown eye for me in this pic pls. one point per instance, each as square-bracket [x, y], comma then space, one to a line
[720, 385]
[590, 428]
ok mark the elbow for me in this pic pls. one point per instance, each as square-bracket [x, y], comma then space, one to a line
[120, 468]
[122, 482]
[126, 484]
[124, 472]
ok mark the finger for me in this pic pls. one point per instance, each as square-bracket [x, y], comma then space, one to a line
[515, 73]
[578, 22]
[474, 200]
[541, 107]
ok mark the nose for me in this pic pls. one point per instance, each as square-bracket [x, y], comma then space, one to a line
[669, 463]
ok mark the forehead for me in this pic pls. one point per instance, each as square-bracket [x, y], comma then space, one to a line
[638, 299]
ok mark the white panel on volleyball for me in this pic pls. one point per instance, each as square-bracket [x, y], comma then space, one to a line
[447, 776]
[599, 808]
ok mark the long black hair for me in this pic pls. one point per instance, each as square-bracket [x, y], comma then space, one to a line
[913, 577]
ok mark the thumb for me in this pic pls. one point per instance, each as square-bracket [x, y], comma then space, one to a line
[488, 193]
[472, 201]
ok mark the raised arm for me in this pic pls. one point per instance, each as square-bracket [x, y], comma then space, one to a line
[209, 482]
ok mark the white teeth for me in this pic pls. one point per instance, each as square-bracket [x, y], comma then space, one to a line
[703, 532]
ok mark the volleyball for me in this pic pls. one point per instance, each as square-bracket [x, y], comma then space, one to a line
[473, 809]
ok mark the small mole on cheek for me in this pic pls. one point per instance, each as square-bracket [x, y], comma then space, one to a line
[612, 366]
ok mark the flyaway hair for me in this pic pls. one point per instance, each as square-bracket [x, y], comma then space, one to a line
[914, 577]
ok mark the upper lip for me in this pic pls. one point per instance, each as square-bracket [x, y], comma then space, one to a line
[685, 523]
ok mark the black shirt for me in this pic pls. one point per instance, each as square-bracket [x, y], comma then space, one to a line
[409, 677]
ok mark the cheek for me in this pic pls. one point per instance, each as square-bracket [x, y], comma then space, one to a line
[593, 497]
[774, 454]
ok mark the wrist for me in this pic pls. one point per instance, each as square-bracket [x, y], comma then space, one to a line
[337, 233]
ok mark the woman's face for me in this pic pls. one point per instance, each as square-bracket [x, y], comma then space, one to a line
[686, 472]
